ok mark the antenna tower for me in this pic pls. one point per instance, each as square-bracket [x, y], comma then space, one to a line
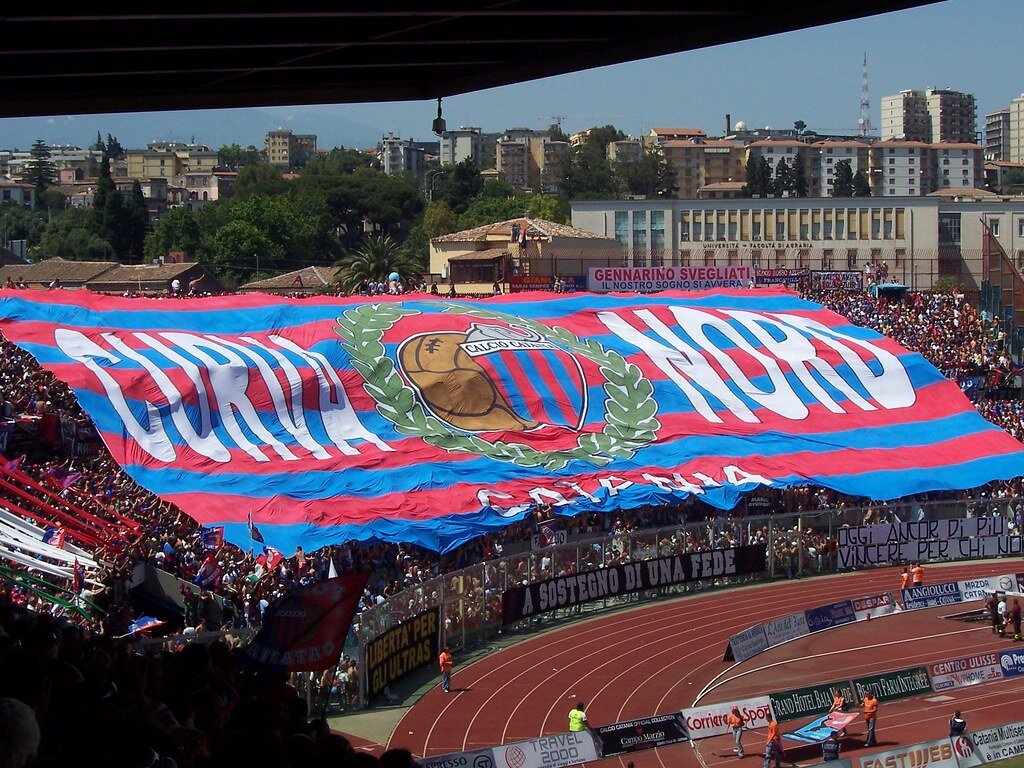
[864, 123]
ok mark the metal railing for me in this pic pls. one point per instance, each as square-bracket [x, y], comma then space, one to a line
[801, 543]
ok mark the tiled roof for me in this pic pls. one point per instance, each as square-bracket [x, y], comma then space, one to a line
[679, 131]
[128, 273]
[725, 185]
[488, 254]
[839, 143]
[307, 277]
[962, 192]
[778, 143]
[57, 268]
[541, 227]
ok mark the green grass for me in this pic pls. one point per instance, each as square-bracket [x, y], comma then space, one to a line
[1013, 762]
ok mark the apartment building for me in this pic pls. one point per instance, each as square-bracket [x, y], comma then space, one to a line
[931, 115]
[824, 155]
[458, 146]
[287, 149]
[795, 153]
[402, 156]
[625, 151]
[997, 135]
[900, 168]
[532, 161]
[1016, 140]
[167, 159]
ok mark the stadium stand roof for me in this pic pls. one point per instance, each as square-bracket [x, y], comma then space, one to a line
[82, 59]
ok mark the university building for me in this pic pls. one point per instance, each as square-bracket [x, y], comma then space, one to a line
[919, 239]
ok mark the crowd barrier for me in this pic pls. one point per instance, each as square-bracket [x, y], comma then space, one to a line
[759, 638]
[470, 602]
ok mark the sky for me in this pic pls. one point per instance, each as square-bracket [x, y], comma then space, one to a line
[812, 75]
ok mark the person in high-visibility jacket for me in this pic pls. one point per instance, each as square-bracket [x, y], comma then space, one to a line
[578, 718]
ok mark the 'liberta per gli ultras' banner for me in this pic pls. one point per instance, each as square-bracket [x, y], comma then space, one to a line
[435, 421]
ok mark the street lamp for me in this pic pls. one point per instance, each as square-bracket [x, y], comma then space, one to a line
[433, 177]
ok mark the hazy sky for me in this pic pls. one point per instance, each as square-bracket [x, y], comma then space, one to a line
[812, 75]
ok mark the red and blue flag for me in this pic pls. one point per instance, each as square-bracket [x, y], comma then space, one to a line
[433, 421]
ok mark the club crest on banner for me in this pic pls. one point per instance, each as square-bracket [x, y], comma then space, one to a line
[462, 390]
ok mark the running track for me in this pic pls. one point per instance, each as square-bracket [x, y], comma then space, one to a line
[658, 657]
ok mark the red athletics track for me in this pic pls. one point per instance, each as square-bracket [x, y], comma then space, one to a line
[658, 657]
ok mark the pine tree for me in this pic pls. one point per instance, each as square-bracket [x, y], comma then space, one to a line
[111, 219]
[842, 183]
[40, 171]
[800, 182]
[861, 186]
[138, 221]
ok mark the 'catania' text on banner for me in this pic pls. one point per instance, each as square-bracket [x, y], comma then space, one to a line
[433, 421]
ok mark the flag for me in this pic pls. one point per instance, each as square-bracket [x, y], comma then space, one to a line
[273, 557]
[210, 573]
[13, 464]
[254, 532]
[70, 479]
[78, 577]
[332, 572]
[144, 624]
[305, 630]
[546, 532]
[329, 419]
[54, 537]
[212, 538]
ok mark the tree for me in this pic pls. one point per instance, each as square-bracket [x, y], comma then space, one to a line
[487, 210]
[799, 181]
[549, 208]
[113, 147]
[71, 236]
[439, 219]
[651, 175]
[799, 126]
[21, 223]
[459, 184]
[784, 179]
[40, 171]
[51, 200]
[235, 157]
[376, 259]
[497, 188]
[176, 230]
[110, 220]
[259, 179]
[861, 186]
[138, 221]
[555, 133]
[842, 181]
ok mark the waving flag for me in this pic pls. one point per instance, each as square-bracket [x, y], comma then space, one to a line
[144, 624]
[212, 538]
[54, 537]
[305, 630]
[434, 421]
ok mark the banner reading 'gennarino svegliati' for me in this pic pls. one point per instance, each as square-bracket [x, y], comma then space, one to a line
[435, 421]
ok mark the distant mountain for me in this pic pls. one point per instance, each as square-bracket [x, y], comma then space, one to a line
[214, 128]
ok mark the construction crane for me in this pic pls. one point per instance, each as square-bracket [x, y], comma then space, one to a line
[558, 119]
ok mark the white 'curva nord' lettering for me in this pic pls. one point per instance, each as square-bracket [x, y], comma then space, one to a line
[152, 438]
[340, 421]
[891, 388]
[230, 383]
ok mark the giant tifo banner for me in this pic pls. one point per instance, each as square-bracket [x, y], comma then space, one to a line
[434, 421]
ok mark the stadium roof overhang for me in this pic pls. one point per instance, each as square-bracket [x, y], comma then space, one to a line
[86, 61]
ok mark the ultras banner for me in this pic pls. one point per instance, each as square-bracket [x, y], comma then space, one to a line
[434, 421]
[567, 591]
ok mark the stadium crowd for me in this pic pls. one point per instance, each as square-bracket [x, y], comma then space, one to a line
[197, 705]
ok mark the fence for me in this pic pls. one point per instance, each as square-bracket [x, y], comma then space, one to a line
[469, 601]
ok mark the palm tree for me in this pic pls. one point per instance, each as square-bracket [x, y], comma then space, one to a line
[377, 257]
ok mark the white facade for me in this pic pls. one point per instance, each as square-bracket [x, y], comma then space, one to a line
[827, 154]
[919, 238]
[901, 169]
[932, 115]
[997, 135]
[793, 152]
[460, 145]
[401, 156]
[958, 166]
[1016, 139]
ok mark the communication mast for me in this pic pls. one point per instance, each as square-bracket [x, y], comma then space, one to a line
[864, 123]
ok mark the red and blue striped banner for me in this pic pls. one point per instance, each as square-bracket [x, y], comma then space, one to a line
[435, 421]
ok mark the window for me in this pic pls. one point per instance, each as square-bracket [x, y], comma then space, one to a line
[622, 227]
[780, 230]
[684, 230]
[851, 258]
[828, 228]
[755, 258]
[698, 231]
[911, 161]
[993, 227]
[1020, 227]
[657, 230]
[892, 161]
[756, 229]
[640, 229]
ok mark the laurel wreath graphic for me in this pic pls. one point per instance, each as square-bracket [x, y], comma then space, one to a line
[630, 407]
